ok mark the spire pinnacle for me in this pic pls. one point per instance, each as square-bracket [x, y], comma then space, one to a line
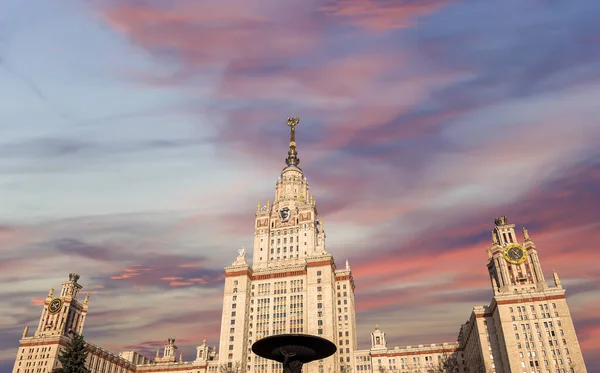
[556, 279]
[292, 159]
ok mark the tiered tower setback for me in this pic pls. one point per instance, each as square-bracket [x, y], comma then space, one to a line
[293, 285]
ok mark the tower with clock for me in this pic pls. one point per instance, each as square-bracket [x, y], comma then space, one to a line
[63, 314]
[513, 266]
[287, 231]
[293, 284]
[527, 321]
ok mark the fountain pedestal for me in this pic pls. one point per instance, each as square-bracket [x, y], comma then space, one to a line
[293, 350]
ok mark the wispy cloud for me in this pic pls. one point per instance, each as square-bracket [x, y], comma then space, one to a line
[421, 122]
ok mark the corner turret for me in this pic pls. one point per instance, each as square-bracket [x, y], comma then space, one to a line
[378, 339]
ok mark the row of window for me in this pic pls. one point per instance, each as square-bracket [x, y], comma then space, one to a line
[543, 307]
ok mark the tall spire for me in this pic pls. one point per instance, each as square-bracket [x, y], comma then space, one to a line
[292, 159]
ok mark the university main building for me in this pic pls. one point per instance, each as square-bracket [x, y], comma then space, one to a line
[295, 286]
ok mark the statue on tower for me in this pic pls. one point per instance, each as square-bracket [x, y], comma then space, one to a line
[293, 122]
[241, 258]
[526, 234]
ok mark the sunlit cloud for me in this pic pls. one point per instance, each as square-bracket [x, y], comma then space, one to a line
[421, 122]
[38, 301]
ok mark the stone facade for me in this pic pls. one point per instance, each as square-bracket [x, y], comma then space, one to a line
[295, 286]
[528, 322]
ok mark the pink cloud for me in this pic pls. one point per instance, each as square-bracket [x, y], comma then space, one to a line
[253, 45]
[180, 283]
[130, 273]
[197, 280]
[171, 278]
[468, 269]
[38, 301]
[198, 263]
[381, 15]
[13, 236]
[208, 34]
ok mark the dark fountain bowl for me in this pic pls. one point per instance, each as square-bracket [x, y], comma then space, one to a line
[295, 347]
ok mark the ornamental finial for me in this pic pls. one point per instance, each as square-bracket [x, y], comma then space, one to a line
[500, 221]
[556, 279]
[292, 159]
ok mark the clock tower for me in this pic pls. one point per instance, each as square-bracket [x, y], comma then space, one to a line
[62, 316]
[287, 231]
[292, 285]
[64, 313]
[528, 324]
[514, 266]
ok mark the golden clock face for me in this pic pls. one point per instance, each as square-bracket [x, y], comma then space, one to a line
[55, 305]
[514, 253]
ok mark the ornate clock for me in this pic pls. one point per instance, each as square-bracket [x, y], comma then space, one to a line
[284, 214]
[55, 305]
[514, 253]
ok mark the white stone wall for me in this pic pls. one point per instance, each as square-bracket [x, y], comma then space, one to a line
[407, 359]
[235, 320]
[538, 334]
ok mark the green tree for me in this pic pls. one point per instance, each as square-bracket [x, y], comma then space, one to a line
[448, 363]
[73, 357]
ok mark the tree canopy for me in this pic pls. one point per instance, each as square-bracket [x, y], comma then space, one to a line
[73, 357]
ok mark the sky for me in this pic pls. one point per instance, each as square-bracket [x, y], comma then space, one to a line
[138, 136]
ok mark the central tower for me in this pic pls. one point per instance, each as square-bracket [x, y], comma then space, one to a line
[293, 285]
[287, 231]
